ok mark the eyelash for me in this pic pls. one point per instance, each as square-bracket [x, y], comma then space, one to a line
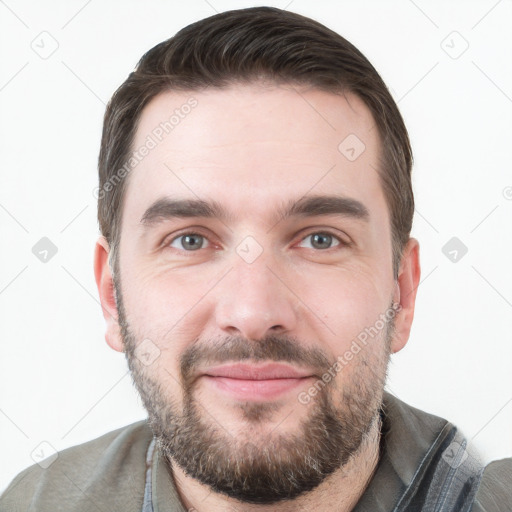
[341, 243]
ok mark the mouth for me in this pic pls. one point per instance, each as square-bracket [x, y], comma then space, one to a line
[250, 382]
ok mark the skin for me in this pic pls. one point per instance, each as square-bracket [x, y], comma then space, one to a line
[251, 147]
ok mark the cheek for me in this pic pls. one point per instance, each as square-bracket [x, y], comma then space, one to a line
[352, 305]
[158, 383]
[168, 306]
[347, 299]
[155, 297]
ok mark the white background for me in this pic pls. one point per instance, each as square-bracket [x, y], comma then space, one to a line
[59, 381]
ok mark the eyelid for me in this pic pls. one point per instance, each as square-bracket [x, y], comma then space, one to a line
[341, 235]
[191, 230]
[326, 231]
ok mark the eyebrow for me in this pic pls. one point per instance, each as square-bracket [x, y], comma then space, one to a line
[308, 206]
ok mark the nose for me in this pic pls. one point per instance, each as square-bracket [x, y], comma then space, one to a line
[255, 301]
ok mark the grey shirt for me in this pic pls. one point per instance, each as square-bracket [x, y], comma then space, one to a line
[424, 466]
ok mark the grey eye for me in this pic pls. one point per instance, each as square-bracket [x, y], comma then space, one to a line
[189, 242]
[320, 240]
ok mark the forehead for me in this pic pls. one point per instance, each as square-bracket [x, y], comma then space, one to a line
[252, 146]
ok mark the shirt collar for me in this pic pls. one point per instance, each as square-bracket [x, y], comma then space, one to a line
[165, 494]
[408, 437]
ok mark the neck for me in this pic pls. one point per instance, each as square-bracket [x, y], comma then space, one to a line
[340, 492]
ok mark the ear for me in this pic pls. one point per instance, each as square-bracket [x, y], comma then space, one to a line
[405, 294]
[105, 286]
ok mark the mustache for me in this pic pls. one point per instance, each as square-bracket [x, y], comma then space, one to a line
[239, 349]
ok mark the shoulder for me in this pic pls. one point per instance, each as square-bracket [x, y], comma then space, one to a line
[495, 491]
[418, 439]
[83, 477]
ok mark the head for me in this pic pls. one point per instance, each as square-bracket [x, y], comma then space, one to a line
[255, 262]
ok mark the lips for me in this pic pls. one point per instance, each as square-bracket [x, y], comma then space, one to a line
[256, 382]
[257, 372]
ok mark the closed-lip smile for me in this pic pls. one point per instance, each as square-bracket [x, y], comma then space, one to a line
[255, 382]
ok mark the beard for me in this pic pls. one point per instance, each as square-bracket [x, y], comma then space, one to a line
[252, 466]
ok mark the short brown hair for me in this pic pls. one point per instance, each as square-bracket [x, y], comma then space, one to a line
[241, 46]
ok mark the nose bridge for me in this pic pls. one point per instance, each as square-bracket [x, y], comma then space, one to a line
[252, 299]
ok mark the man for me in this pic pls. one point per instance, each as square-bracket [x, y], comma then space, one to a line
[256, 268]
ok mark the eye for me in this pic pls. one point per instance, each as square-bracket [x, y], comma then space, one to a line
[323, 240]
[188, 242]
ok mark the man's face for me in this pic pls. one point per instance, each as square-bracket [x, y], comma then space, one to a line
[233, 325]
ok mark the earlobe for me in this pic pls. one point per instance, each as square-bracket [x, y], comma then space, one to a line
[105, 285]
[407, 285]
